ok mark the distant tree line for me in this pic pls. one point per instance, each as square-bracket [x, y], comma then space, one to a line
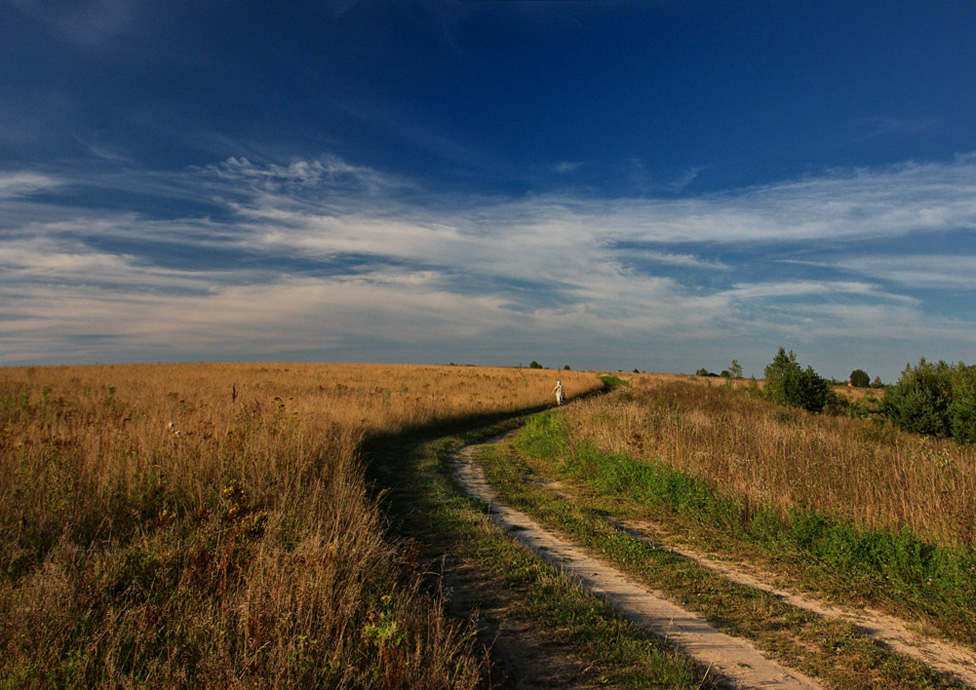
[733, 372]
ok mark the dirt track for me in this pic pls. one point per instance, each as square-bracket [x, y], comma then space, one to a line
[735, 659]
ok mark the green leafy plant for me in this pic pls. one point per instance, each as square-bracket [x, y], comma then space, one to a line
[859, 378]
[788, 384]
[935, 399]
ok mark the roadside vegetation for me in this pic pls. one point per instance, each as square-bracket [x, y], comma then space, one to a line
[606, 649]
[210, 525]
[853, 508]
[830, 649]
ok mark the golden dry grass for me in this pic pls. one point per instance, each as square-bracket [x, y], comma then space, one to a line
[208, 525]
[859, 470]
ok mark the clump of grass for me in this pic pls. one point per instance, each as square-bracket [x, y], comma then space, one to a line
[857, 470]
[611, 381]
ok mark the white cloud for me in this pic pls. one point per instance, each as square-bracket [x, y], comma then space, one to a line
[325, 254]
[809, 288]
[566, 167]
[933, 271]
[675, 259]
[685, 179]
[22, 183]
[91, 23]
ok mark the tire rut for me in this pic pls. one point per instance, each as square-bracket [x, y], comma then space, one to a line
[732, 658]
[894, 633]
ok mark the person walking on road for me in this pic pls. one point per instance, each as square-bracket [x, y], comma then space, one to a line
[560, 395]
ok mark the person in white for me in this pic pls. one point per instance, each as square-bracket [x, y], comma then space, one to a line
[558, 390]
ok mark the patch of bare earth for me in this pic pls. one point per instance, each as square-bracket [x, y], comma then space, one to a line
[522, 655]
[732, 658]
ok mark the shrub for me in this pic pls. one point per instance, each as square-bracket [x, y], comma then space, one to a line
[788, 384]
[962, 416]
[935, 399]
[860, 379]
[919, 402]
[962, 409]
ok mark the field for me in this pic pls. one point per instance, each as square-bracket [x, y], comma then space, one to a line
[209, 525]
[212, 525]
[862, 471]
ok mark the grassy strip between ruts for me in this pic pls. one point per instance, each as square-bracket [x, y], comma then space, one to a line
[832, 650]
[596, 634]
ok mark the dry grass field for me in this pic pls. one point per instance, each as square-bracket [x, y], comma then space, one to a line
[209, 526]
[858, 470]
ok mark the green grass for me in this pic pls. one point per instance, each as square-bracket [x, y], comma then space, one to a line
[616, 652]
[613, 381]
[616, 486]
[894, 570]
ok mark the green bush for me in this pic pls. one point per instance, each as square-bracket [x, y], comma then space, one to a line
[962, 415]
[788, 384]
[935, 399]
[860, 379]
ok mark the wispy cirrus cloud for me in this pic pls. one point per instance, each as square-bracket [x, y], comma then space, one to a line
[884, 126]
[329, 259]
[19, 184]
[933, 271]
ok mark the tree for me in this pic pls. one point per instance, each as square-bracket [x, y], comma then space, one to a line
[920, 400]
[736, 369]
[534, 365]
[702, 372]
[777, 370]
[788, 384]
[860, 379]
[935, 399]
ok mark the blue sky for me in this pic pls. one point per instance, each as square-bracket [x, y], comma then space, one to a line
[664, 185]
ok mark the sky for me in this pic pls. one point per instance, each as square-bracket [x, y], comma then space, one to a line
[663, 185]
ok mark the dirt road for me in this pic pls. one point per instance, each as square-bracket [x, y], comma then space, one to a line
[733, 658]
